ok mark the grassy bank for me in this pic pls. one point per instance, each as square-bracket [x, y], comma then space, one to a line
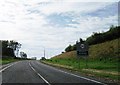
[103, 60]
[82, 63]
[94, 68]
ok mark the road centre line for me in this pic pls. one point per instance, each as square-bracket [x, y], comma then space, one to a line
[39, 74]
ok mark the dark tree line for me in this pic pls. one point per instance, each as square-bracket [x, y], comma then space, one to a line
[96, 38]
[9, 48]
[71, 48]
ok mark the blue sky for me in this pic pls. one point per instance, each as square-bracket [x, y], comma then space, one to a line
[53, 25]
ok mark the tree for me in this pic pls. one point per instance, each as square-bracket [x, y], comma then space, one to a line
[69, 48]
[15, 46]
[43, 58]
[96, 38]
[10, 47]
[23, 55]
[81, 40]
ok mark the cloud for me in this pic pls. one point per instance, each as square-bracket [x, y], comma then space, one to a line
[52, 25]
[63, 7]
[106, 11]
[60, 20]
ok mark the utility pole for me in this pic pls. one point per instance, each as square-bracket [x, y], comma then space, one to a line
[44, 52]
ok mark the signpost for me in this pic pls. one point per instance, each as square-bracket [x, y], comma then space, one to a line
[82, 51]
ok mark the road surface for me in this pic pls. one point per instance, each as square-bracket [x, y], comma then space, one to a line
[34, 72]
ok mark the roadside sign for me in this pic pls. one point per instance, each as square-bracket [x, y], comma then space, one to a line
[82, 49]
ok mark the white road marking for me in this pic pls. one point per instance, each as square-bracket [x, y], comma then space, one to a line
[82, 77]
[4, 65]
[39, 74]
[79, 76]
[7, 67]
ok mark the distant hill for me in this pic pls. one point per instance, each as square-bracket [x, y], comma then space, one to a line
[106, 50]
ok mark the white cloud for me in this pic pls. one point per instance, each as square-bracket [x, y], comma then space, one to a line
[62, 7]
[89, 0]
[26, 22]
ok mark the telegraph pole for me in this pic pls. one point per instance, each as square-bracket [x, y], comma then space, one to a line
[44, 52]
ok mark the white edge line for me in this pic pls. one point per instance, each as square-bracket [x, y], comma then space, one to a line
[39, 74]
[82, 77]
[7, 67]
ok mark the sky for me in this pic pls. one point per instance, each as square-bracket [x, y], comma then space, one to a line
[52, 25]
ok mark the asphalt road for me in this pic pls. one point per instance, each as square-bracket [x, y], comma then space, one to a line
[39, 73]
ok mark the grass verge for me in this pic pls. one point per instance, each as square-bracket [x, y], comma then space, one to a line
[107, 70]
[10, 60]
[7, 60]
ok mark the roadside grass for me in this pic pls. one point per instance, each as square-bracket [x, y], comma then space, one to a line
[103, 60]
[105, 69]
[11, 59]
[7, 60]
[0, 61]
[93, 64]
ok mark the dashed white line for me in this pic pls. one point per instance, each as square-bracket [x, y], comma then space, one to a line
[39, 74]
[44, 79]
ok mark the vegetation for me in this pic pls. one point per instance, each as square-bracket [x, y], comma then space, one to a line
[103, 59]
[101, 56]
[109, 50]
[97, 67]
[11, 59]
[112, 34]
[80, 64]
[9, 48]
[9, 51]
[43, 58]
[7, 60]
[97, 38]
[23, 55]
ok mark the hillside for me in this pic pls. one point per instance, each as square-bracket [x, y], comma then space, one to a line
[102, 62]
[104, 50]
[98, 37]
